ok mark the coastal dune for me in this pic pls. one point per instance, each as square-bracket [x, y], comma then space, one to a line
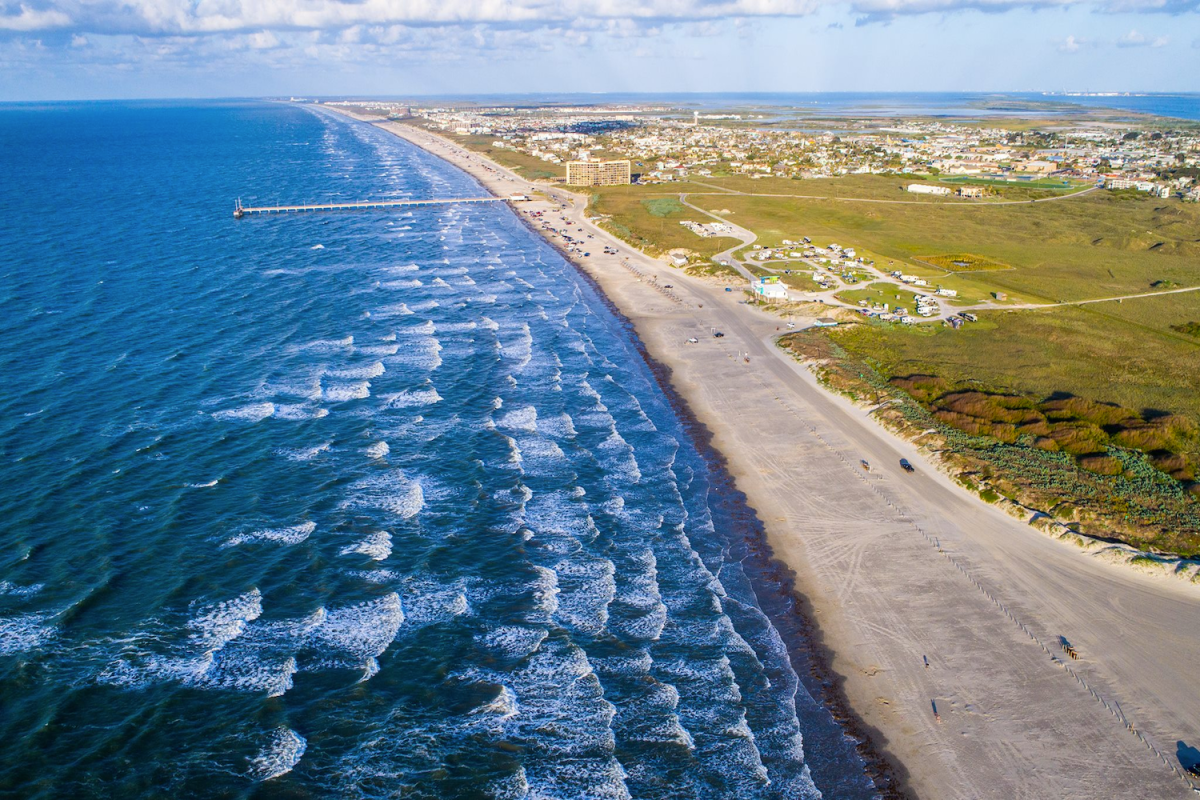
[942, 615]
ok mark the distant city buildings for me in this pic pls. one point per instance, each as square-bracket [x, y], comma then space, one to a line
[666, 145]
[592, 172]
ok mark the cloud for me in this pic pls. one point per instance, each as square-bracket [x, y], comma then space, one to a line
[28, 19]
[1136, 39]
[197, 17]
[1070, 45]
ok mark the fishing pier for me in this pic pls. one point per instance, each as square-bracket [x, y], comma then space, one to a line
[240, 210]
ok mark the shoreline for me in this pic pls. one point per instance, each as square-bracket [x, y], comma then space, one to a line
[773, 580]
[878, 596]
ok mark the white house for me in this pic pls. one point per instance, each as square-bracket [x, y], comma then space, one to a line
[769, 288]
[925, 188]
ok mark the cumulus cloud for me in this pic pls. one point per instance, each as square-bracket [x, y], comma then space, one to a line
[1136, 39]
[1070, 45]
[25, 18]
[195, 17]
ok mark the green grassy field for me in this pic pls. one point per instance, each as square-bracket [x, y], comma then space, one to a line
[880, 187]
[1077, 350]
[650, 220]
[880, 292]
[1097, 245]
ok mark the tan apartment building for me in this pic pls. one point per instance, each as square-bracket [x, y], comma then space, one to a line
[589, 172]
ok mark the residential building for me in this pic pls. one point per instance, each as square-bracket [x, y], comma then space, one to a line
[598, 173]
[925, 188]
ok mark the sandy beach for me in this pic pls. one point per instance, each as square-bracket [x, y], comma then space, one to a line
[942, 614]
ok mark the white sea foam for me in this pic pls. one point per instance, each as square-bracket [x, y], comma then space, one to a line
[390, 491]
[409, 399]
[303, 453]
[329, 344]
[300, 411]
[360, 631]
[503, 705]
[13, 590]
[393, 310]
[412, 283]
[545, 590]
[364, 372]
[378, 450]
[317, 247]
[20, 633]
[524, 418]
[217, 624]
[207, 485]
[377, 546]
[370, 670]
[294, 534]
[255, 412]
[377, 349]
[343, 392]
[512, 641]
[455, 327]
[425, 328]
[279, 756]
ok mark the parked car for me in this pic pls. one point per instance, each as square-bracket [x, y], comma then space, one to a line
[718, 335]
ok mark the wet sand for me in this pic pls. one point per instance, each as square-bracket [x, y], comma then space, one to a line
[940, 616]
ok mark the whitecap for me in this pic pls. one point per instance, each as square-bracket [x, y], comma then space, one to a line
[360, 631]
[378, 450]
[20, 633]
[13, 590]
[281, 754]
[255, 412]
[513, 641]
[294, 534]
[524, 418]
[358, 373]
[343, 392]
[303, 453]
[300, 412]
[377, 546]
[329, 344]
[409, 399]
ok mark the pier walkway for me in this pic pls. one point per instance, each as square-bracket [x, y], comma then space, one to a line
[240, 210]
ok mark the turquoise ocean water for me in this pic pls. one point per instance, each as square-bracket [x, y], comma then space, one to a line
[351, 505]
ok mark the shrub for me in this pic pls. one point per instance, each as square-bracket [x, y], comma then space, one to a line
[1101, 464]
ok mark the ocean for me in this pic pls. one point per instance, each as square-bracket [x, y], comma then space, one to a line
[367, 504]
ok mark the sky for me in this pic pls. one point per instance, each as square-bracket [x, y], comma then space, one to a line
[100, 49]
